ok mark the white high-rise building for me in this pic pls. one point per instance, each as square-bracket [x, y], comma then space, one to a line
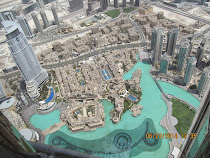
[25, 26]
[25, 58]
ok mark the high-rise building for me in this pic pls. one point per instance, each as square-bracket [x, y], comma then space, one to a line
[171, 41]
[157, 43]
[200, 53]
[2, 92]
[164, 62]
[36, 22]
[40, 3]
[25, 58]
[9, 16]
[108, 3]
[55, 15]
[116, 5]
[25, 26]
[26, 1]
[76, 5]
[131, 2]
[182, 57]
[204, 82]
[104, 4]
[90, 5]
[137, 3]
[124, 3]
[191, 64]
[44, 19]
[198, 146]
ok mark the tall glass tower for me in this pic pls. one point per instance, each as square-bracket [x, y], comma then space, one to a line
[204, 82]
[157, 43]
[182, 57]
[25, 58]
[164, 62]
[171, 41]
[191, 64]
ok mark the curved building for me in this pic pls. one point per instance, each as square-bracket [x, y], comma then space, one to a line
[9, 103]
[25, 58]
[29, 134]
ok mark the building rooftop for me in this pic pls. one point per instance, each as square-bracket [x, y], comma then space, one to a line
[7, 103]
[26, 133]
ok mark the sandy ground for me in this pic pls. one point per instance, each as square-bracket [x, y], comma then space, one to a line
[173, 16]
[199, 12]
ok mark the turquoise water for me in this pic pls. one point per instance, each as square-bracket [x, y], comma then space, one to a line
[130, 131]
[45, 121]
[179, 93]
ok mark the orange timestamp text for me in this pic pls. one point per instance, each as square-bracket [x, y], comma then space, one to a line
[169, 135]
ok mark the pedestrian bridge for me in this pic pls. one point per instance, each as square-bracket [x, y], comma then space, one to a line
[53, 128]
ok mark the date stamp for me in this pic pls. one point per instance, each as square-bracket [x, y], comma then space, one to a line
[169, 135]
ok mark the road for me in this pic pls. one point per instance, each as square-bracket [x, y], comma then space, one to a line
[139, 30]
[177, 11]
[80, 58]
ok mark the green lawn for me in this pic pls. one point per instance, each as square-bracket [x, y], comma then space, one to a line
[113, 13]
[183, 114]
[127, 105]
[128, 10]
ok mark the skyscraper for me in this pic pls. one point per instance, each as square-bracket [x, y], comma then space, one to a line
[2, 92]
[25, 26]
[55, 15]
[76, 5]
[164, 62]
[104, 4]
[200, 53]
[25, 58]
[198, 147]
[116, 5]
[44, 19]
[36, 22]
[90, 5]
[204, 82]
[131, 2]
[26, 1]
[171, 41]
[137, 3]
[182, 57]
[9, 16]
[124, 3]
[157, 43]
[40, 3]
[191, 63]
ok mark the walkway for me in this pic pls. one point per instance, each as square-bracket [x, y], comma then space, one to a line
[166, 122]
[53, 128]
[166, 96]
[190, 105]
